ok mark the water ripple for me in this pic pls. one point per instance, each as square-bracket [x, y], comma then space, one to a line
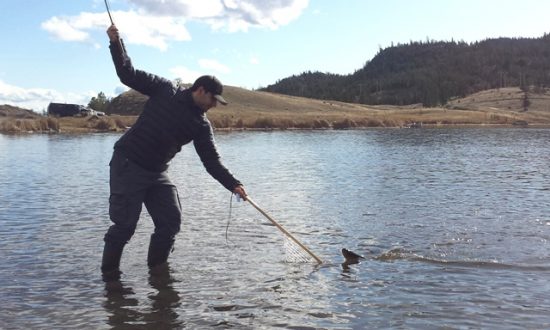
[453, 224]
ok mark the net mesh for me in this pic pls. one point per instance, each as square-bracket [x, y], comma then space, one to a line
[254, 235]
[293, 252]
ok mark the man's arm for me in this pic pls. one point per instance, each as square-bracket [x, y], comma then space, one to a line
[210, 158]
[141, 81]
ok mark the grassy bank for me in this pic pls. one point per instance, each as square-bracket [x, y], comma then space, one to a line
[222, 119]
[261, 110]
[40, 124]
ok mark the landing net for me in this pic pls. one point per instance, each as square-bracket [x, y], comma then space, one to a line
[294, 253]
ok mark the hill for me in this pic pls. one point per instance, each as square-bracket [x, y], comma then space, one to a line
[16, 112]
[431, 72]
[263, 110]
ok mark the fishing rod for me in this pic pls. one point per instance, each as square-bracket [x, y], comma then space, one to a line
[120, 42]
[109, 12]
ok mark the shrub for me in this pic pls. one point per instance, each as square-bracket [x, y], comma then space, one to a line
[119, 123]
[285, 124]
[344, 124]
[373, 123]
[303, 125]
[105, 124]
[321, 123]
[263, 123]
[390, 123]
[8, 126]
[49, 123]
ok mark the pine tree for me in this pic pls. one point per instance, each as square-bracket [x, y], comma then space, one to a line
[99, 103]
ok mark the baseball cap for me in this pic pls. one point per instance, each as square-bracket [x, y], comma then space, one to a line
[212, 85]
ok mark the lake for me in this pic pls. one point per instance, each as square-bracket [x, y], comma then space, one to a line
[453, 225]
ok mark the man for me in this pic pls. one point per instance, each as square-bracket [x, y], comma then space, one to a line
[171, 118]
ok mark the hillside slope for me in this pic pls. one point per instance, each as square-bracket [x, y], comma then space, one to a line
[431, 72]
[263, 110]
[16, 112]
[258, 109]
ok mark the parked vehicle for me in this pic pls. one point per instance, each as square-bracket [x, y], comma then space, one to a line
[67, 110]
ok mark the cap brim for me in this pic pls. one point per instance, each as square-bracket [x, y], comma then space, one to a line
[220, 99]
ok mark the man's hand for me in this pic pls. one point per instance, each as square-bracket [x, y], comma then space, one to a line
[239, 190]
[113, 34]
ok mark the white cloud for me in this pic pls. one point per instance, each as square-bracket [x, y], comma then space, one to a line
[213, 65]
[119, 90]
[152, 30]
[38, 99]
[135, 27]
[181, 8]
[207, 66]
[254, 60]
[187, 75]
[240, 15]
[155, 23]
[63, 30]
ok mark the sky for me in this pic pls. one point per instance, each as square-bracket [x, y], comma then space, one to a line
[57, 50]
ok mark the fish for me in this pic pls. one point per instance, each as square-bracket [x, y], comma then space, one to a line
[351, 257]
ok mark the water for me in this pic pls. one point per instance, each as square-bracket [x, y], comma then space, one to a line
[453, 223]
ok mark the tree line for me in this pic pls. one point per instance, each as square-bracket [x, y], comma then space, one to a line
[430, 72]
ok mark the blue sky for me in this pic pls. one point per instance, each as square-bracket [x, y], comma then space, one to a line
[56, 50]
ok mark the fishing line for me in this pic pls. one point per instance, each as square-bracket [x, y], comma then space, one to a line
[228, 219]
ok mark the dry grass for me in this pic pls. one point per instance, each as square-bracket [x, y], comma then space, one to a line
[258, 110]
[96, 124]
[23, 125]
[66, 124]
[261, 110]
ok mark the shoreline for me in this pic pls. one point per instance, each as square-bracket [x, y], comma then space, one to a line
[63, 129]
[237, 119]
[261, 111]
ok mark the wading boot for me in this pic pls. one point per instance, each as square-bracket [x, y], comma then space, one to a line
[110, 263]
[159, 250]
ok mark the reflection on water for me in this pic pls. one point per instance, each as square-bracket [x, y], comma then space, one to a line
[453, 224]
[121, 303]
